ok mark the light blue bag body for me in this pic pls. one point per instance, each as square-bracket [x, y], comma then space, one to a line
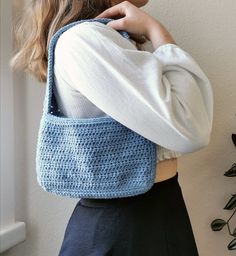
[92, 157]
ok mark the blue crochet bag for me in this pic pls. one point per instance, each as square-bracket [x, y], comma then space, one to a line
[91, 157]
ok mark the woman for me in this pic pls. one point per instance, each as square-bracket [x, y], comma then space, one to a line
[164, 96]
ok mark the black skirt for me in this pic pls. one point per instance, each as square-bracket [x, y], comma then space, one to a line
[155, 223]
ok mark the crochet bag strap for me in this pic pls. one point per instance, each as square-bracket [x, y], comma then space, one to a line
[49, 97]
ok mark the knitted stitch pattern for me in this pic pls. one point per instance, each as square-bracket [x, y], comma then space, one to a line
[91, 157]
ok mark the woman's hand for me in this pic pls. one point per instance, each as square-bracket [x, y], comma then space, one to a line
[134, 20]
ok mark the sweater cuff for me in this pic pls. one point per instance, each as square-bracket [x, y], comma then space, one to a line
[164, 153]
[165, 47]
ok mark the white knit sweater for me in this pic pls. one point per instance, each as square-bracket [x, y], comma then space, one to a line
[163, 95]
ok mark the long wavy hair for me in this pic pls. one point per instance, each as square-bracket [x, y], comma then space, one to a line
[39, 20]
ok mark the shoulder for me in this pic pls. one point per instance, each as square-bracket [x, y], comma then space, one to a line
[88, 27]
[95, 34]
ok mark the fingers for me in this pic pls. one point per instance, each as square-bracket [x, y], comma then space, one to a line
[117, 24]
[112, 11]
[118, 12]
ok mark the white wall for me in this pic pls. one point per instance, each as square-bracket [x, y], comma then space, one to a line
[206, 29]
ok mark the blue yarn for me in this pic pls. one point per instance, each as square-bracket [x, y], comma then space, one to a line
[92, 157]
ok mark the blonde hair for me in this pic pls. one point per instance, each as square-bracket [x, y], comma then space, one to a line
[39, 20]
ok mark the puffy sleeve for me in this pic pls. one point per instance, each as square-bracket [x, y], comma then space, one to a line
[162, 95]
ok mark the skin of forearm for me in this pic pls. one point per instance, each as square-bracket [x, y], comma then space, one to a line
[157, 34]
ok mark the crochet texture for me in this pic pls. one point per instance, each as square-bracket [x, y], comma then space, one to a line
[92, 157]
